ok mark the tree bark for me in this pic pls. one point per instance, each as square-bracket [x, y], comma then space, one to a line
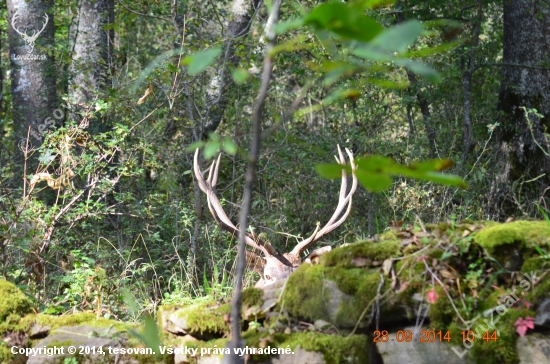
[33, 71]
[426, 115]
[92, 51]
[523, 146]
[467, 76]
[238, 27]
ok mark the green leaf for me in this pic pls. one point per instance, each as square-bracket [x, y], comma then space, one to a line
[432, 50]
[151, 67]
[229, 147]
[420, 69]
[432, 165]
[240, 75]
[130, 301]
[373, 181]
[195, 145]
[375, 163]
[285, 26]
[372, 53]
[344, 20]
[211, 148]
[199, 61]
[47, 157]
[389, 84]
[375, 172]
[337, 73]
[398, 38]
[329, 171]
[373, 4]
[172, 68]
[149, 335]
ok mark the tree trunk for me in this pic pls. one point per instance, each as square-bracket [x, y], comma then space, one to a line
[238, 27]
[31, 38]
[467, 76]
[92, 51]
[526, 83]
[425, 109]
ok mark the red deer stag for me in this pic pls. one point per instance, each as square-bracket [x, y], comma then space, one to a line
[274, 266]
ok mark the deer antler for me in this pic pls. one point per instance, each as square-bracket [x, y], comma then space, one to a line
[274, 266]
[207, 186]
[344, 199]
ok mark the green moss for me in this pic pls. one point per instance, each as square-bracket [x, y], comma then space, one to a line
[207, 316]
[362, 287]
[501, 351]
[523, 233]
[335, 348]
[82, 318]
[252, 297]
[301, 296]
[60, 343]
[435, 253]
[5, 353]
[347, 256]
[539, 291]
[308, 294]
[535, 264]
[441, 312]
[13, 305]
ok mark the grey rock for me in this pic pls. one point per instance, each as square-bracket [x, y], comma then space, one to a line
[300, 356]
[80, 336]
[416, 352]
[533, 349]
[543, 314]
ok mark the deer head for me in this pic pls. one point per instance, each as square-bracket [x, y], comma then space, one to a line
[29, 39]
[271, 265]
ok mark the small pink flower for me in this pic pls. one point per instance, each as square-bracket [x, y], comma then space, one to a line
[522, 324]
[432, 296]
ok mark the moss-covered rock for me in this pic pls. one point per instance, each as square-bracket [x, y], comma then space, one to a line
[252, 297]
[362, 254]
[14, 304]
[304, 293]
[512, 243]
[524, 233]
[336, 294]
[205, 319]
[335, 349]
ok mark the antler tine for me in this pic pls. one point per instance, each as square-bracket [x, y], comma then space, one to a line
[198, 173]
[216, 208]
[216, 167]
[344, 199]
